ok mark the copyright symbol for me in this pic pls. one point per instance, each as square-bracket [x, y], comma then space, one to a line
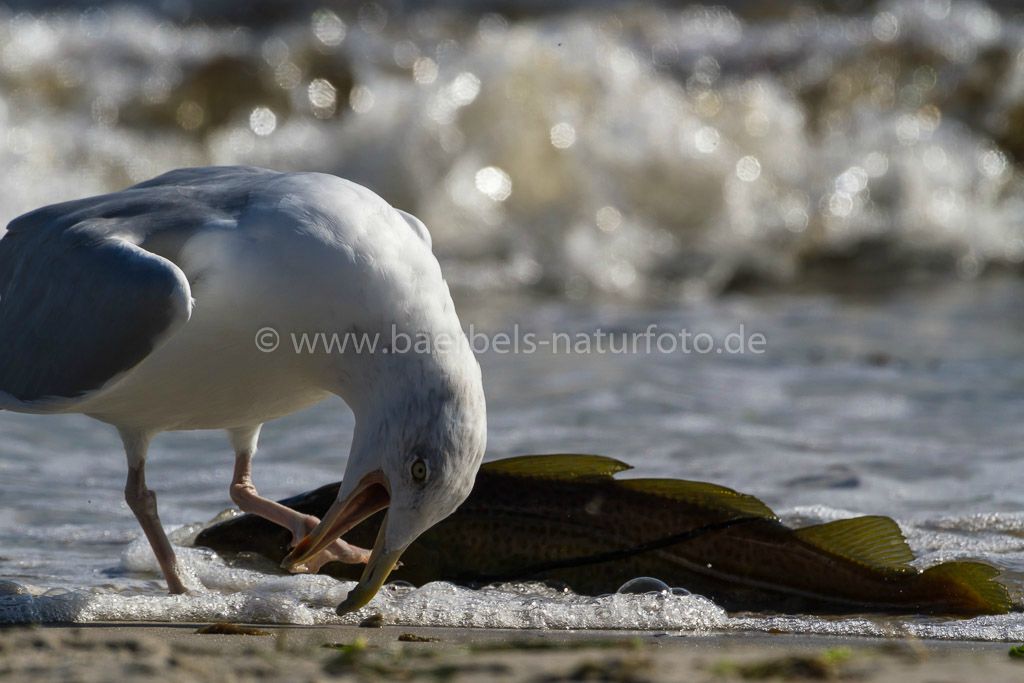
[267, 339]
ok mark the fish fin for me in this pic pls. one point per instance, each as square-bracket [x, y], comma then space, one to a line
[556, 466]
[702, 494]
[874, 541]
[976, 583]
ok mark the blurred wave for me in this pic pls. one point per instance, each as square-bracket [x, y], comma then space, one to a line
[632, 149]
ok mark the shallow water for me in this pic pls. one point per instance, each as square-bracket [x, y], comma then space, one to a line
[907, 406]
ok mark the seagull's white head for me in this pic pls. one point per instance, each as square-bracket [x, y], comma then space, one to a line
[416, 452]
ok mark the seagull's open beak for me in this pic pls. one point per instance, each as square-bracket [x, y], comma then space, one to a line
[382, 561]
[371, 495]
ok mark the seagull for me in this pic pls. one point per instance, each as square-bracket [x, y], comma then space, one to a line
[181, 303]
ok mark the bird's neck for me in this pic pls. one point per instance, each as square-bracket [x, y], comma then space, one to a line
[402, 379]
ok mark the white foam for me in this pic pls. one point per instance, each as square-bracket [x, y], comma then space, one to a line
[244, 595]
[223, 592]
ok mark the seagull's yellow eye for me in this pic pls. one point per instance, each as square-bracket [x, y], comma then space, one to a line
[419, 470]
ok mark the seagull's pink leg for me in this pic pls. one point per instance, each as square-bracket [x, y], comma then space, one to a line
[142, 502]
[248, 499]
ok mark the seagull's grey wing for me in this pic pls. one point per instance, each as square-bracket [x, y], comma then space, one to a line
[79, 305]
[219, 179]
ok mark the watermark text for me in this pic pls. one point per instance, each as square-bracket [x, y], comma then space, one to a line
[653, 339]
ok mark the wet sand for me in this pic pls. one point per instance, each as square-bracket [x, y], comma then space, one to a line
[179, 653]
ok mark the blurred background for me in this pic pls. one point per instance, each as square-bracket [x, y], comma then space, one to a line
[578, 148]
[843, 176]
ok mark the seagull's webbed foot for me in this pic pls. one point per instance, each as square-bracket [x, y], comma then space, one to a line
[338, 551]
[248, 499]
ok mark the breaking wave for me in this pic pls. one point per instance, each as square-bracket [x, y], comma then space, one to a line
[630, 149]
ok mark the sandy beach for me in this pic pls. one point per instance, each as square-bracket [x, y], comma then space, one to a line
[184, 653]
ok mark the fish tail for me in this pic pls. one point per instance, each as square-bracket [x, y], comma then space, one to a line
[967, 588]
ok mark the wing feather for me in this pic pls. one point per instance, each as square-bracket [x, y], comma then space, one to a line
[90, 287]
[79, 305]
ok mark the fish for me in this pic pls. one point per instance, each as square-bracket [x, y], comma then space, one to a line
[567, 520]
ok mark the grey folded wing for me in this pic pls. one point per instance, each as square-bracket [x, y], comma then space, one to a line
[80, 304]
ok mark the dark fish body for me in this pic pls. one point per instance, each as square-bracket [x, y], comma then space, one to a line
[565, 519]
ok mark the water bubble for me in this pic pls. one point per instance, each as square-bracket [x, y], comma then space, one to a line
[323, 96]
[644, 584]
[527, 271]
[608, 219]
[262, 121]
[241, 142]
[465, 88]
[908, 129]
[189, 115]
[748, 169]
[155, 88]
[424, 71]
[706, 140]
[406, 53]
[563, 135]
[885, 27]
[925, 77]
[982, 22]
[361, 99]
[399, 586]
[494, 182]
[328, 27]
[462, 91]
[992, 163]
[840, 204]
[287, 75]
[852, 180]
[492, 26]
[937, 9]
[796, 219]
[372, 17]
[275, 51]
[707, 69]
[945, 205]
[709, 103]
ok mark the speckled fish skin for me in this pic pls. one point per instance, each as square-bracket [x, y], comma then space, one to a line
[593, 533]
